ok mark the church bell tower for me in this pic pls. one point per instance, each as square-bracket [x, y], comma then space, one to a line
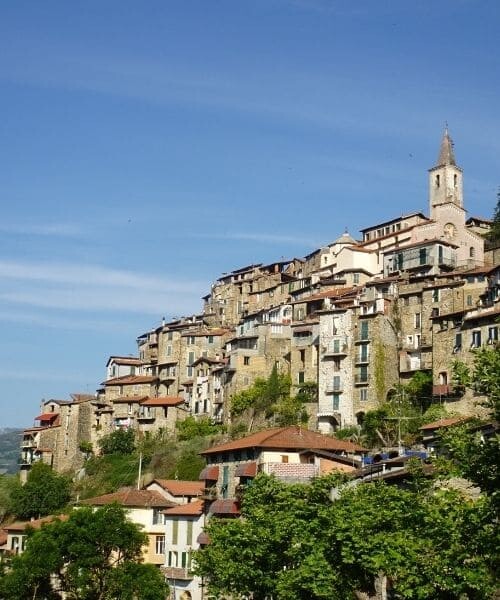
[445, 179]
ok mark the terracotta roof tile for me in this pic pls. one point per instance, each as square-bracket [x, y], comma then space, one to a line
[224, 507]
[131, 497]
[35, 524]
[163, 401]
[189, 509]
[47, 417]
[287, 437]
[210, 473]
[444, 423]
[128, 399]
[181, 488]
[130, 379]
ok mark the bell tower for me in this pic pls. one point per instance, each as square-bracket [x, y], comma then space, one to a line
[445, 178]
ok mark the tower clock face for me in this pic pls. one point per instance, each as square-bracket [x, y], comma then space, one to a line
[450, 230]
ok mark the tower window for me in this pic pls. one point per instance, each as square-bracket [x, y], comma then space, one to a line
[438, 182]
[472, 251]
[455, 180]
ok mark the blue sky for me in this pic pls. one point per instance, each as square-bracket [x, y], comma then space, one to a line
[147, 147]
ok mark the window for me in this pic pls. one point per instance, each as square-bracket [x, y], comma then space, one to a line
[158, 517]
[417, 320]
[458, 342]
[472, 252]
[189, 533]
[169, 350]
[172, 559]
[160, 544]
[355, 278]
[336, 365]
[363, 394]
[190, 340]
[437, 181]
[400, 261]
[336, 401]
[476, 339]
[284, 458]
[170, 335]
[302, 354]
[246, 360]
[443, 378]
[14, 544]
[175, 531]
[363, 374]
[469, 300]
[364, 330]
[336, 383]
[435, 295]
[492, 335]
[225, 481]
[422, 256]
[301, 377]
[363, 353]
[406, 301]
[210, 339]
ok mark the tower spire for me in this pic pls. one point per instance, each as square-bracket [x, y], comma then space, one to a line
[446, 154]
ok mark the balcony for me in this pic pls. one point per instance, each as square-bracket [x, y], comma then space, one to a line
[334, 388]
[28, 444]
[146, 416]
[209, 493]
[291, 472]
[180, 573]
[334, 350]
[362, 360]
[361, 378]
[362, 337]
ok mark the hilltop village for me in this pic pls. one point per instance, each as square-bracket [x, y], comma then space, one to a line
[354, 318]
[353, 321]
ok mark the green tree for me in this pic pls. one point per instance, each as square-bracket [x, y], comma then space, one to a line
[44, 493]
[271, 398]
[191, 428]
[494, 232]
[120, 441]
[93, 555]
[294, 543]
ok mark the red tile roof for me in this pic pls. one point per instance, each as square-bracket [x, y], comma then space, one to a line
[190, 509]
[131, 497]
[163, 401]
[224, 507]
[130, 379]
[129, 399]
[203, 539]
[47, 417]
[178, 487]
[210, 473]
[246, 470]
[35, 524]
[296, 438]
[444, 423]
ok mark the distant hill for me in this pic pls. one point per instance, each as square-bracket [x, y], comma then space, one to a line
[9, 449]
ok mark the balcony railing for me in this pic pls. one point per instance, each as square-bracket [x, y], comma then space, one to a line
[447, 390]
[177, 573]
[335, 350]
[334, 388]
[360, 378]
[293, 472]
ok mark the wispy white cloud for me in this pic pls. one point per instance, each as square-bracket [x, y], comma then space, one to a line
[96, 288]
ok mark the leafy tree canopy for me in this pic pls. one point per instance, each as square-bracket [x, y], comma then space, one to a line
[44, 493]
[93, 555]
[120, 441]
[191, 428]
[294, 543]
[271, 397]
